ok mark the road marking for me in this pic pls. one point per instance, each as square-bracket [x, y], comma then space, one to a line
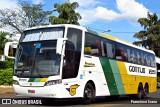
[105, 105]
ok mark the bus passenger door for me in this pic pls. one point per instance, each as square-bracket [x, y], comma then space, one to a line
[72, 55]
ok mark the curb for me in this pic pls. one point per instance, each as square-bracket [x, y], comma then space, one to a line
[6, 90]
[3, 86]
[6, 93]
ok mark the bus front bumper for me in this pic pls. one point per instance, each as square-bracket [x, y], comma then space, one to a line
[45, 91]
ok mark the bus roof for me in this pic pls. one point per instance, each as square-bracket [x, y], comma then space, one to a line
[57, 25]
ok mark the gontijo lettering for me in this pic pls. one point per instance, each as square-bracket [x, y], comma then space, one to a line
[136, 69]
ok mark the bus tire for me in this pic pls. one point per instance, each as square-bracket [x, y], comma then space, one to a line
[145, 91]
[140, 92]
[89, 94]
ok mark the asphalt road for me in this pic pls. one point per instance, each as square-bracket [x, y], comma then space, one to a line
[122, 101]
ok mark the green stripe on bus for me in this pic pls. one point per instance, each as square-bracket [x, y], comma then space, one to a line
[31, 80]
[37, 79]
[109, 76]
[34, 80]
[117, 77]
[101, 35]
[91, 31]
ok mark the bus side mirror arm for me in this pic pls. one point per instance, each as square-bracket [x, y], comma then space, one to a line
[60, 44]
[6, 49]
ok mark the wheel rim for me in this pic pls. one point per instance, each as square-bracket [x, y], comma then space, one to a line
[88, 93]
[140, 94]
[145, 90]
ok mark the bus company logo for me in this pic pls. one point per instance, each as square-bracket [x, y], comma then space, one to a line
[136, 69]
[72, 89]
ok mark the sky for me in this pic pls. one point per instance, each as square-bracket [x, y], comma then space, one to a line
[118, 16]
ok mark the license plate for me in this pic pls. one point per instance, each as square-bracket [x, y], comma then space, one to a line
[31, 91]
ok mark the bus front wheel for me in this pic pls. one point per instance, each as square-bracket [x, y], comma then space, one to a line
[89, 94]
[140, 92]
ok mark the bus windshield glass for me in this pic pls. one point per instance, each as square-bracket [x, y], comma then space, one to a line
[37, 59]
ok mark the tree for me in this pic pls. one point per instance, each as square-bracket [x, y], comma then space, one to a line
[3, 40]
[35, 14]
[150, 35]
[25, 16]
[67, 14]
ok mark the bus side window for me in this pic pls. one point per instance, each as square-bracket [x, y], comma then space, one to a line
[141, 58]
[92, 45]
[102, 48]
[110, 50]
[130, 54]
[120, 52]
[98, 44]
[148, 60]
[152, 61]
[105, 49]
[135, 56]
[144, 58]
[138, 57]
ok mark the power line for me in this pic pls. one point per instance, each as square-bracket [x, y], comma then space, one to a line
[103, 31]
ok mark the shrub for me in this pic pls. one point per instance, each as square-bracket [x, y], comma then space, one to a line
[6, 64]
[6, 76]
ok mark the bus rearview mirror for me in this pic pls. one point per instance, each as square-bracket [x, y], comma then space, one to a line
[60, 43]
[7, 48]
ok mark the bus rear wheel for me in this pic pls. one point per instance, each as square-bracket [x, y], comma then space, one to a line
[89, 94]
[145, 91]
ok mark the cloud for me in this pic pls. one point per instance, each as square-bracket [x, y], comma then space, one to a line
[106, 14]
[87, 10]
[8, 4]
[129, 10]
[88, 16]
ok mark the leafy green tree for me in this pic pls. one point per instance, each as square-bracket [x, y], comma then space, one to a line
[25, 16]
[149, 37]
[34, 13]
[3, 40]
[67, 14]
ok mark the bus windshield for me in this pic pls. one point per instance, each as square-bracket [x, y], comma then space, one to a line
[37, 59]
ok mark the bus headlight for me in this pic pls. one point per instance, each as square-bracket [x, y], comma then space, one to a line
[53, 82]
[15, 82]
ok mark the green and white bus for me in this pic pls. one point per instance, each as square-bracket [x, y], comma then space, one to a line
[69, 61]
